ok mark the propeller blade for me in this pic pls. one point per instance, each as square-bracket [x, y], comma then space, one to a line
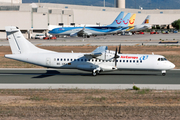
[119, 49]
[115, 57]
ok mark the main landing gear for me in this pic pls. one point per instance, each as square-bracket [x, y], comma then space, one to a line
[163, 72]
[95, 72]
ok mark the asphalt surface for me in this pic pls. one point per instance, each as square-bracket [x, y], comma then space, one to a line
[146, 39]
[51, 76]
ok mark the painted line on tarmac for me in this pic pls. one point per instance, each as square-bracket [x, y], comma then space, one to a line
[91, 86]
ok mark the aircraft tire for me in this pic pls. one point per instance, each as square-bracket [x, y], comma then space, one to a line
[94, 73]
[163, 74]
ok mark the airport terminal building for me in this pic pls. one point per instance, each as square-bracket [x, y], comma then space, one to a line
[35, 17]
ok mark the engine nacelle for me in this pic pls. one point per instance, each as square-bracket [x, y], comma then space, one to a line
[107, 68]
[89, 67]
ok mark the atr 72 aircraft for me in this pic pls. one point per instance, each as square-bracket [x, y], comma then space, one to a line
[100, 60]
[118, 24]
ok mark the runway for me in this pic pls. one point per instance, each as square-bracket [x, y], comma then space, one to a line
[51, 78]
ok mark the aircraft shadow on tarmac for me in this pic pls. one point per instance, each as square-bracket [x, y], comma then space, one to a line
[50, 73]
[54, 72]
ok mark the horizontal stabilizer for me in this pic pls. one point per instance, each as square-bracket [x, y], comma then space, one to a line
[11, 29]
[98, 51]
[19, 44]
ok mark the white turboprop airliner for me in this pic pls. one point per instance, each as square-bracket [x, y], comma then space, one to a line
[100, 60]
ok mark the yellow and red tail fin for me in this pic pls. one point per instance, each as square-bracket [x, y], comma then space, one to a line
[131, 22]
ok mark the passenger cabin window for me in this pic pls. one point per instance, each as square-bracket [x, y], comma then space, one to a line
[64, 59]
[58, 59]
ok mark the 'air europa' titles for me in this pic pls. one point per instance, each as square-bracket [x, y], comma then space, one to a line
[129, 57]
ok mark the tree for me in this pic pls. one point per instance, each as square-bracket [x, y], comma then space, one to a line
[176, 24]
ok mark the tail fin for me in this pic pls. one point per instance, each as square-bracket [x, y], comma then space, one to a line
[132, 20]
[125, 21]
[19, 44]
[146, 21]
[118, 20]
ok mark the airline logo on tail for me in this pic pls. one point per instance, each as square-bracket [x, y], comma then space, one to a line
[132, 20]
[126, 22]
[146, 21]
[118, 22]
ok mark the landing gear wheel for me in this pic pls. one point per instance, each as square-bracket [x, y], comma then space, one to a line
[94, 73]
[163, 74]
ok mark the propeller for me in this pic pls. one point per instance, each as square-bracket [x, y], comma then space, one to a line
[119, 52]
[115, 57]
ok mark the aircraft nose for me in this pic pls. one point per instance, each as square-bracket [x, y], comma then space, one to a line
[172, 65]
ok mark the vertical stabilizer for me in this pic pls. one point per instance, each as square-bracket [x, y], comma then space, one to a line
[147, 20]
[132, 20]
[118, 20]
[18, 43]
[125, 21]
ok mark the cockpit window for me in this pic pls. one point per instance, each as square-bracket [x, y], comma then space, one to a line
[162, 59]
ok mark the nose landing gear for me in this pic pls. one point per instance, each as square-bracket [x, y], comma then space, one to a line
[163, 72]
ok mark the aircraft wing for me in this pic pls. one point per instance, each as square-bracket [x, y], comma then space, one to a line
[97, 52]
[80, 33]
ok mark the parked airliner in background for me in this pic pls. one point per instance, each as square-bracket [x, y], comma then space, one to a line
[145, 25]
[118, 24]
[100, 60]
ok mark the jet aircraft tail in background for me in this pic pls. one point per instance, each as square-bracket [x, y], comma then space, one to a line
[125, 21]
[131, 22]
[146, 21]
[118, 20]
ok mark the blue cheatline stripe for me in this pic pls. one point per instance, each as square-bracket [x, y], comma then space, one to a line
[96, 29]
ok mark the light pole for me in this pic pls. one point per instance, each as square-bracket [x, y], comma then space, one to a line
[104, 3]
[38, 1]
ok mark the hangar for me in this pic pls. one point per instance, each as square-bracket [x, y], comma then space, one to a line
[35, 17]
